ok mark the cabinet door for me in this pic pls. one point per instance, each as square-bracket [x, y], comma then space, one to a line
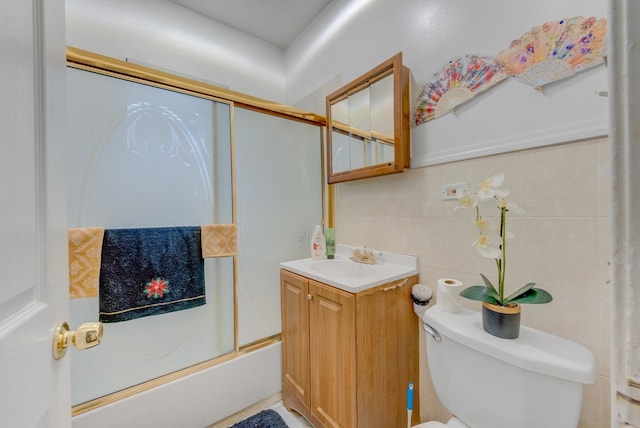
[332, 346]
[295, 336]
[388, 354]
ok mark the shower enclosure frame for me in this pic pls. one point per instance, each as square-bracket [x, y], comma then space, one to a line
[92, 62]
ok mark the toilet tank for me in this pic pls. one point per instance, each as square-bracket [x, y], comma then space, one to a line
[533, 381]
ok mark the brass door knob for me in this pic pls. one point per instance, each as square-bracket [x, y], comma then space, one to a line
[86, 336]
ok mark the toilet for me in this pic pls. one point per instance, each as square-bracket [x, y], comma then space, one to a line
[533, 381]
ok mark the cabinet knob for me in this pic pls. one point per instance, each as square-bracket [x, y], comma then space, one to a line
[309, 296]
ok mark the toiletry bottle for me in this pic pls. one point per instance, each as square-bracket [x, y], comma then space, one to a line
[330, 239]
[318, 246]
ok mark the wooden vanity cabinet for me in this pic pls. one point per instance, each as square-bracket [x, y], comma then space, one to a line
[348, 357]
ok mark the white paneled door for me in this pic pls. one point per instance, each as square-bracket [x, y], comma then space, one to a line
[33, 273]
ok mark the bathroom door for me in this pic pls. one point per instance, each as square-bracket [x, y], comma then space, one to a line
[33, 297]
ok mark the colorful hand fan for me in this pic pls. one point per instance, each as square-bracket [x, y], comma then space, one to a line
[456, 83]
[555, 50]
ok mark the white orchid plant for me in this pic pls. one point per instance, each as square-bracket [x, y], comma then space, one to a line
[492, 243]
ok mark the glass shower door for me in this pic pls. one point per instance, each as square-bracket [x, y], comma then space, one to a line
[144, 157]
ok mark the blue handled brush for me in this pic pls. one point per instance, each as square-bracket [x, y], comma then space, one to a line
[409, 404]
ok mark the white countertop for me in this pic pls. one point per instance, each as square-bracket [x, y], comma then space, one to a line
[347, 275]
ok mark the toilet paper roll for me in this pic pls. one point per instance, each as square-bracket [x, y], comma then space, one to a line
[448, 294]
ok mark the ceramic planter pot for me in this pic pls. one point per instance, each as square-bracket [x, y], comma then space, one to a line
[501, 321]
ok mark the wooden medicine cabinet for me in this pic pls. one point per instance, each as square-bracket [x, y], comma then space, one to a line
[368, 124]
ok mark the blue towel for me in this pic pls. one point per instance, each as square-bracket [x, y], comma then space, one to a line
[150, 271]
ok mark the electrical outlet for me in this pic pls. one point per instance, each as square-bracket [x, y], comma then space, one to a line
[453, 191]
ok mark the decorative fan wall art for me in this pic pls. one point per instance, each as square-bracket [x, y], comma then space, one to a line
[456, 83]
[555, 50]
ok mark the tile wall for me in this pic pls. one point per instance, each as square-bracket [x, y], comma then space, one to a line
[561, 242]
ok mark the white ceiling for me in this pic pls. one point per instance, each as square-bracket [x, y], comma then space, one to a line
[277, 21]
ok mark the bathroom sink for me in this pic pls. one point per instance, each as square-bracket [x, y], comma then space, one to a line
[347, 275]
[346, 269]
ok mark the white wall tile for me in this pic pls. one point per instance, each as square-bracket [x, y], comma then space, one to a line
[561, 242]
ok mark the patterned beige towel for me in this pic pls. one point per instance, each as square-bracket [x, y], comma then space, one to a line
[219, 240]
[85, 250]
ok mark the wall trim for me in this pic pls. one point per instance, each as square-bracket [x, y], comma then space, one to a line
[547, 137]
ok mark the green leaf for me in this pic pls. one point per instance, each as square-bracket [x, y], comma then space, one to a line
[479, 292]
[491, 289]
[533, 296]
[519, 292]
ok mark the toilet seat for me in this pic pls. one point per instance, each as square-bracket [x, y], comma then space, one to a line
[432, 424]
[453, 423]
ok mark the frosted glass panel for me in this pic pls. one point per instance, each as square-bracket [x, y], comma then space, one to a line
[146, 157]
[357, 149]
[341, 156]
[279, 182]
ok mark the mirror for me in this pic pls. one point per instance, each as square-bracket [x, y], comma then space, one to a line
[368, 124]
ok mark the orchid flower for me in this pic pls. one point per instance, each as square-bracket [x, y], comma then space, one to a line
[509, 206]
[482, 224]
[492, 245]
[467, 200]
[491, 242]
[488, 246]
[491, 187]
